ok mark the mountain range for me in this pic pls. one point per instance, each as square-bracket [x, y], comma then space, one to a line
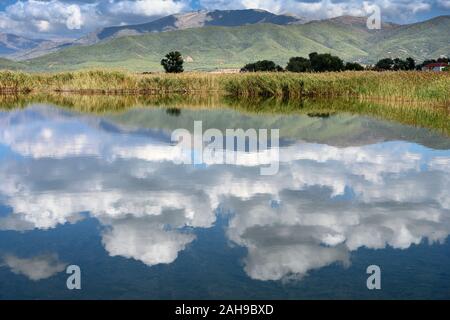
[11, 43]
[197, 19]
[229, 39]
[21, 48]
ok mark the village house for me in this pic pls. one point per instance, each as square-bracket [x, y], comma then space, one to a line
[439, 66]
[230, 71]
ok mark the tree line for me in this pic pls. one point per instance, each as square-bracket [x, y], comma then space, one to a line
[316, 62]
[397, 64]
[326, 62]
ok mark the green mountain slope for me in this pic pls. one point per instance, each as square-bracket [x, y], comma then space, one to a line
[428, 39]
[10, 65]
[209, 47]
[224, 18]
[232, 47]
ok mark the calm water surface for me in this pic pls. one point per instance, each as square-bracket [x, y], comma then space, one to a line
[104, 192]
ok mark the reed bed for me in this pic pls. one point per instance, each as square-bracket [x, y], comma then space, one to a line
[401, 86]
[394, 86]
[107, 82]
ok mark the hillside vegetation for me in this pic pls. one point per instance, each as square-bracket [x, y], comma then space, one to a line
[10, 65]
[231, 47]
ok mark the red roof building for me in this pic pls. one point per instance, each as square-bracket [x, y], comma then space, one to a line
[438, 66]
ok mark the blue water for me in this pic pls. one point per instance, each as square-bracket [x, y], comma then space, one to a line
[106, 193]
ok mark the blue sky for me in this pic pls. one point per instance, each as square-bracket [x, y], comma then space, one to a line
[72, 18]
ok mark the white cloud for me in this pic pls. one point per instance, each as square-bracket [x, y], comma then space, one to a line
[74, 18]
[53, 12]
[147, 7]
[282, 241]
[144, 241]
[35, 268]
[444, 3]
[57, 17]
[333, 200]
[277, 262]
[43, 25]
[327, 8]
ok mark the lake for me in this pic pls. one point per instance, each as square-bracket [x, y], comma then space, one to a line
[104, 191]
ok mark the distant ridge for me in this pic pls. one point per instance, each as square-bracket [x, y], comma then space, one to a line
[219, 47]
[21, 48]
[197, 19]
[360, 22]
[11, 43]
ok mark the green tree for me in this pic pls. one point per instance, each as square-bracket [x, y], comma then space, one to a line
[173, 62]
[261, 66]
[411, 63]
[353, 66]
[298, 64]
[428, 61]
[400, 64]
[385, 64]
[325, 62]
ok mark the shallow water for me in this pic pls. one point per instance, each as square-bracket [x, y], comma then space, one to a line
[104, 192]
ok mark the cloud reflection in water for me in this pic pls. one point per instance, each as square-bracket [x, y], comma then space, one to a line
[330, 200]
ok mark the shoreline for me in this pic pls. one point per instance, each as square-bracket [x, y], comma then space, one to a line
[213, 93]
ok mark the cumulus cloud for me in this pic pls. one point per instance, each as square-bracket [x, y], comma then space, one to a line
[45, 15]
[35, 268]
[144, 240]
[295, 260]
[147, 7]
[282, 241]
[320, 9]
[74, 18]
[444, 3]
[330, 200]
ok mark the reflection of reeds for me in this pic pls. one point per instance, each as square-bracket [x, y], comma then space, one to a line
[425, 115]
[422, 114]
[396, 86]
[99, 103]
